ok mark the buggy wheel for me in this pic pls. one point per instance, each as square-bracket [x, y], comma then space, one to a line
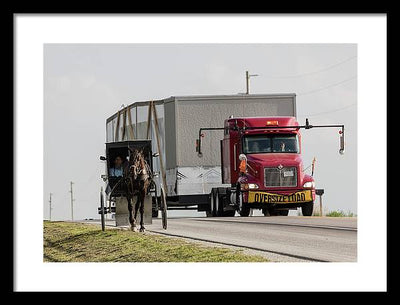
[163, 209]
[154, 210]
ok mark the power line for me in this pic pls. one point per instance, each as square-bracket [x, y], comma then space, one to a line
[330, 111]
[312, 72]
[327, 87]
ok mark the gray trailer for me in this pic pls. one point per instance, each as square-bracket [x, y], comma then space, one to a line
[190, 178]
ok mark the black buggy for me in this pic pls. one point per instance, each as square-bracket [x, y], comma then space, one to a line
[114, 184]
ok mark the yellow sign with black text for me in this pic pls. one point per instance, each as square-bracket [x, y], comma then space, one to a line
[263, 197]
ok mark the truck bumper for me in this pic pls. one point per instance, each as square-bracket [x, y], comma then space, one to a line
[284, 198]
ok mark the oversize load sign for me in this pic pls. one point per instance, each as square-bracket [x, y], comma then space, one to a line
[262, 197]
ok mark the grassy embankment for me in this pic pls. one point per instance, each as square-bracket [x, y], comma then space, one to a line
[338, 213]
[76, 242]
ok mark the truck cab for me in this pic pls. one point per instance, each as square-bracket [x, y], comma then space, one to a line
[264, 165]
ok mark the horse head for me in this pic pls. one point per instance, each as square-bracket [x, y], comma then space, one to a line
[137, 164]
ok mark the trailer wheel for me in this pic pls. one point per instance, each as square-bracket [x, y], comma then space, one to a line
[163, 209]
[211, 212]
[307, 208]
[218, 204]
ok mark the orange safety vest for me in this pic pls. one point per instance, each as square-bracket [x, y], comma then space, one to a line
[242, 166]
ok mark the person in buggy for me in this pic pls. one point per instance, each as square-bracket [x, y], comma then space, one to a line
[116, 171]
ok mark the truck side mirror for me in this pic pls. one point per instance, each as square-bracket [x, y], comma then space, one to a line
[102, 158]
[243, 163]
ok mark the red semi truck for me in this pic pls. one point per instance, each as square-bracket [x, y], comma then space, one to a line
[252, 161]
[261, 160]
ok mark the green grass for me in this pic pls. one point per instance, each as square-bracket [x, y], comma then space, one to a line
[75, 242]
[340, 213]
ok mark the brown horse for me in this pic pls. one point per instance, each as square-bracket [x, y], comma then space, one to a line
[138, 178]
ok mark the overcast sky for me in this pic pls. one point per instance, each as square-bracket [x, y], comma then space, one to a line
[86, 83]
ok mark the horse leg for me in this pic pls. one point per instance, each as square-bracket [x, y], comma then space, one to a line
[142, 195]
[131, 218]
[136, 209]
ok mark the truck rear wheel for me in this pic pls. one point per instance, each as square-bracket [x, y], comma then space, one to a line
[307, 208]
[218, 204]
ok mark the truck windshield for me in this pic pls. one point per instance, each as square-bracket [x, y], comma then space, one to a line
[258, 144]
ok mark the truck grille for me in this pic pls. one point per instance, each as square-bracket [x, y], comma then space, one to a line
[275, 177]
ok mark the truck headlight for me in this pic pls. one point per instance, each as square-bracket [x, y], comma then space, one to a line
[309, 185]
[253, 186]
[248, 186]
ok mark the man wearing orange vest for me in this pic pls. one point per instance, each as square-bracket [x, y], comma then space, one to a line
[242, 166]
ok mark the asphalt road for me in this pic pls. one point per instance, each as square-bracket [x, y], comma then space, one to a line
[281, 238]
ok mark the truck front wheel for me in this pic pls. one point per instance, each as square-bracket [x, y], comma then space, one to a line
[229, 213]
[270, 212]
[244, 211]
[283, 212]
[307, 208]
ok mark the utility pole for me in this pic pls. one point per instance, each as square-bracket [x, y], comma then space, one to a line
[72, 201]
[248, 81]
[50, 205]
